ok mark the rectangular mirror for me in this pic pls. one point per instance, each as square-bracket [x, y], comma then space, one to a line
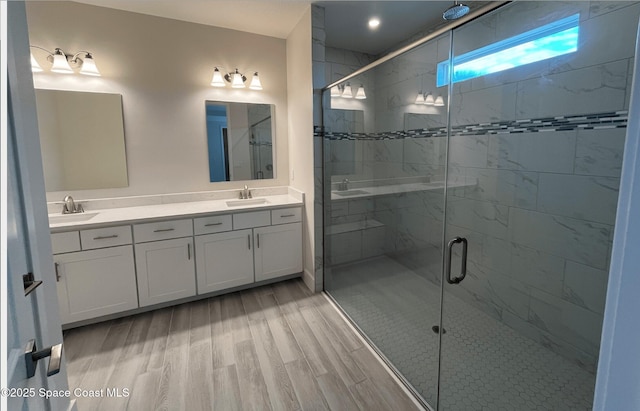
[82, 140]
[240, 141]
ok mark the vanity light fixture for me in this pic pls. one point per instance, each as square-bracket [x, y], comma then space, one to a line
[335, 91]
[346, 91]
[420, 98]
[429, 101]
[439, 102]
[360, 95]
[217, 80]
[255, 82]
[35, 67]
[236, 78]
[64, 63]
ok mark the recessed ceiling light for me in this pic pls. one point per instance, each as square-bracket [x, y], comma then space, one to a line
[374, 22]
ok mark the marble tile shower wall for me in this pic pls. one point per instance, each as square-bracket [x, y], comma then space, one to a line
[540, 215]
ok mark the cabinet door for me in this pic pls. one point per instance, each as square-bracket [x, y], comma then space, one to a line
[224, 260]
[95, 283]
[165, 271]
[278, 250]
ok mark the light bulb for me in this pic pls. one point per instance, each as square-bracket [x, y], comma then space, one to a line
[217, 80]
[89, 67]
[347, 93]
[238, 81]
[335, 91]
[420, 98]
[360, 93]
[439, 102]
[60, 63]
[255, 82]
[429, 100]
[35, 67]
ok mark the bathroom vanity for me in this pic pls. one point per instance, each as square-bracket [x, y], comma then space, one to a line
[120, 261]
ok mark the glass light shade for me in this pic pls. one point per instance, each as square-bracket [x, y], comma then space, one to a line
[217, 80]
[439, 102]
[35, 67]
[420, 98]
[255, 82]
[347, 93]
[335, 91]
[60, 64]
[237, 81]
[428, 100]
[360, 93]
[89, 67]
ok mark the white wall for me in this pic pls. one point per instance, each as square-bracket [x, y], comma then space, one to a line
[163, 68]
[300, 90]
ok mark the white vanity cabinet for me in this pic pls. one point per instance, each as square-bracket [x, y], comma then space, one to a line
[224, 260]
[165, 264]
[109, 270]
[278, 250]
[254, 251]
[94, 281]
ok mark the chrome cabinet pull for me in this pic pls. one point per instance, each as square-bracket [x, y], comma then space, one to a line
[258, 235]
[57, 267]
[105, 237]
[32, 356]
[249, 241]
[163, 230]
[189, 251]
[288, 215]
[212, 224]
[447, 262]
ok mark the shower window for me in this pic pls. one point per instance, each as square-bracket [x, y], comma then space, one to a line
[550, 40]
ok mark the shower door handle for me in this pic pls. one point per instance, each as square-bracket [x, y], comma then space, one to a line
[463, 266]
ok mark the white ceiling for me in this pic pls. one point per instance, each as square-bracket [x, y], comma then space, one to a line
[275, 18]
[345, 21]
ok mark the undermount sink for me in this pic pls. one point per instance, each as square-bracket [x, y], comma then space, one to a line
[246, 202]
[70, 218]
[348, 193]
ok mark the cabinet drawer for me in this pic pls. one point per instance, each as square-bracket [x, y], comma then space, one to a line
[105, 237]
[162, 230]
[286, 215]
[213, 224]
[250, 220]
[65, 242]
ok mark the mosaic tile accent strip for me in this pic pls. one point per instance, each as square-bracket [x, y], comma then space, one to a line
[617, 119]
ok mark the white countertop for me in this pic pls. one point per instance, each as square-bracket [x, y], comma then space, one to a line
[127, 215]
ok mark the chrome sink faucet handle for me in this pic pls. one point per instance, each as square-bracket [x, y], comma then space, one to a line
[70, 206]
[245, 193]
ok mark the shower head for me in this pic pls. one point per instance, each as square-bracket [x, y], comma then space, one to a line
[455, 12]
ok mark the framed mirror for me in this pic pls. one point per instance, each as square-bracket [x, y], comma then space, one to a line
[82, 140]
[240, 141]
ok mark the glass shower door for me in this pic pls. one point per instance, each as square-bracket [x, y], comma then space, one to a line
[384, 165]
[537, 127]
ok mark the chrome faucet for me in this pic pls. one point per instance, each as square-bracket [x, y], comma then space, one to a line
[70, 206]
[245, 193]
[344, 186]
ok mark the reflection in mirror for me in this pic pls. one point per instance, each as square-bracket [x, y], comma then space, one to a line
[240, 141]
[82, 140]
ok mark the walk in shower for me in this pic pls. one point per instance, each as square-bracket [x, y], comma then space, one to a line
[470, 199]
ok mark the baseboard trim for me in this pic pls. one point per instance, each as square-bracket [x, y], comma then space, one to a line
[309, 280]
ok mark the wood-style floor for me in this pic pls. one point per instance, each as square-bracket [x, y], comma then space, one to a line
[277, 347]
